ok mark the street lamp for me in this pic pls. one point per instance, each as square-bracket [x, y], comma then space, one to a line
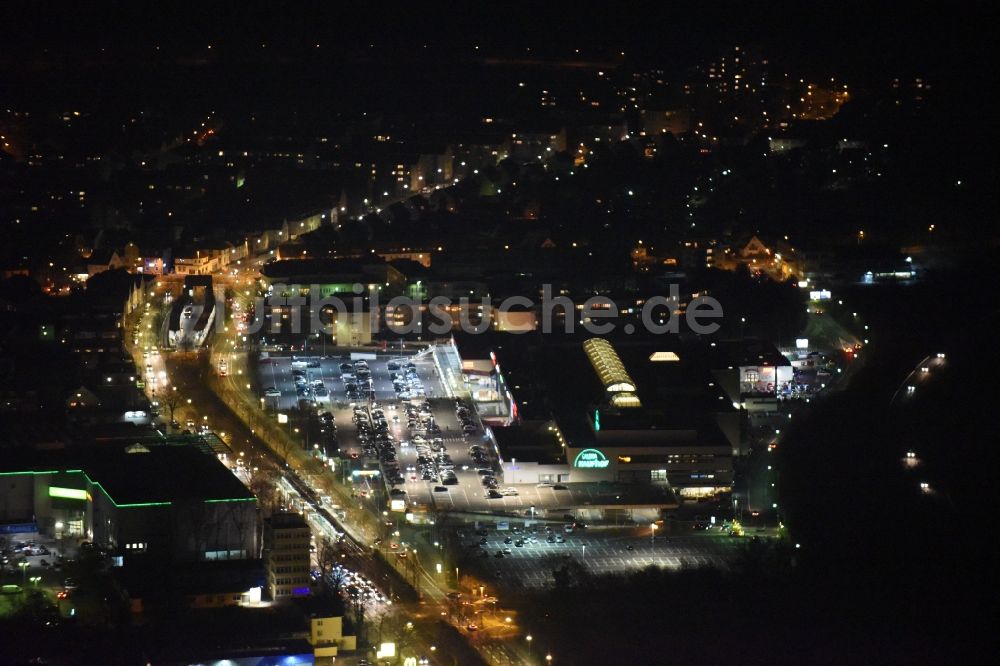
[548, 659]
[24, 572]
[528, 638]
[652, 532]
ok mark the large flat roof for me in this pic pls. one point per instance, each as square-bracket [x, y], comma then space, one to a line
[530, 441]
[152, 475]
[323, 270]
[745, 352]
[552, 376]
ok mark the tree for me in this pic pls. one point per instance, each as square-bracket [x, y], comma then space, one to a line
[326, 554]
[172, 400]
[357, 615]
[262, 486]
[568, 573]
[283, 445]
[336, 580]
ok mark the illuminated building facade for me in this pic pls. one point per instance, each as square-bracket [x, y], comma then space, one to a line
[287, 542]
[169, 502]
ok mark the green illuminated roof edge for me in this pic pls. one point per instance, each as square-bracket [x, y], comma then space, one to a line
[111, 499]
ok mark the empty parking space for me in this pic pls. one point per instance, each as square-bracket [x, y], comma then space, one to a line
[530, 565]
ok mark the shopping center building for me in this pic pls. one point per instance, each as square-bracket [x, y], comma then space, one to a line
[138, 501]
[644, 411]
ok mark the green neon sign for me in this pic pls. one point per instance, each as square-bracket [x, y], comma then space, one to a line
[67, 493]
[597, 420]
[591, 458]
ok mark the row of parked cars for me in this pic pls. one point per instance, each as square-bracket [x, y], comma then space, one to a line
[433, 462]
[484, 468]
[464, 415]
[377, 442]
[420, 421]
[328, 432]
[18, 552]
[358, 384]
[309, 388]
[405, 380]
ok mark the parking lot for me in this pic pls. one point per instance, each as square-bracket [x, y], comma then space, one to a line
[277, 379]
[431, 449]
[600, 552]
[36, 562]
[441, 468]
